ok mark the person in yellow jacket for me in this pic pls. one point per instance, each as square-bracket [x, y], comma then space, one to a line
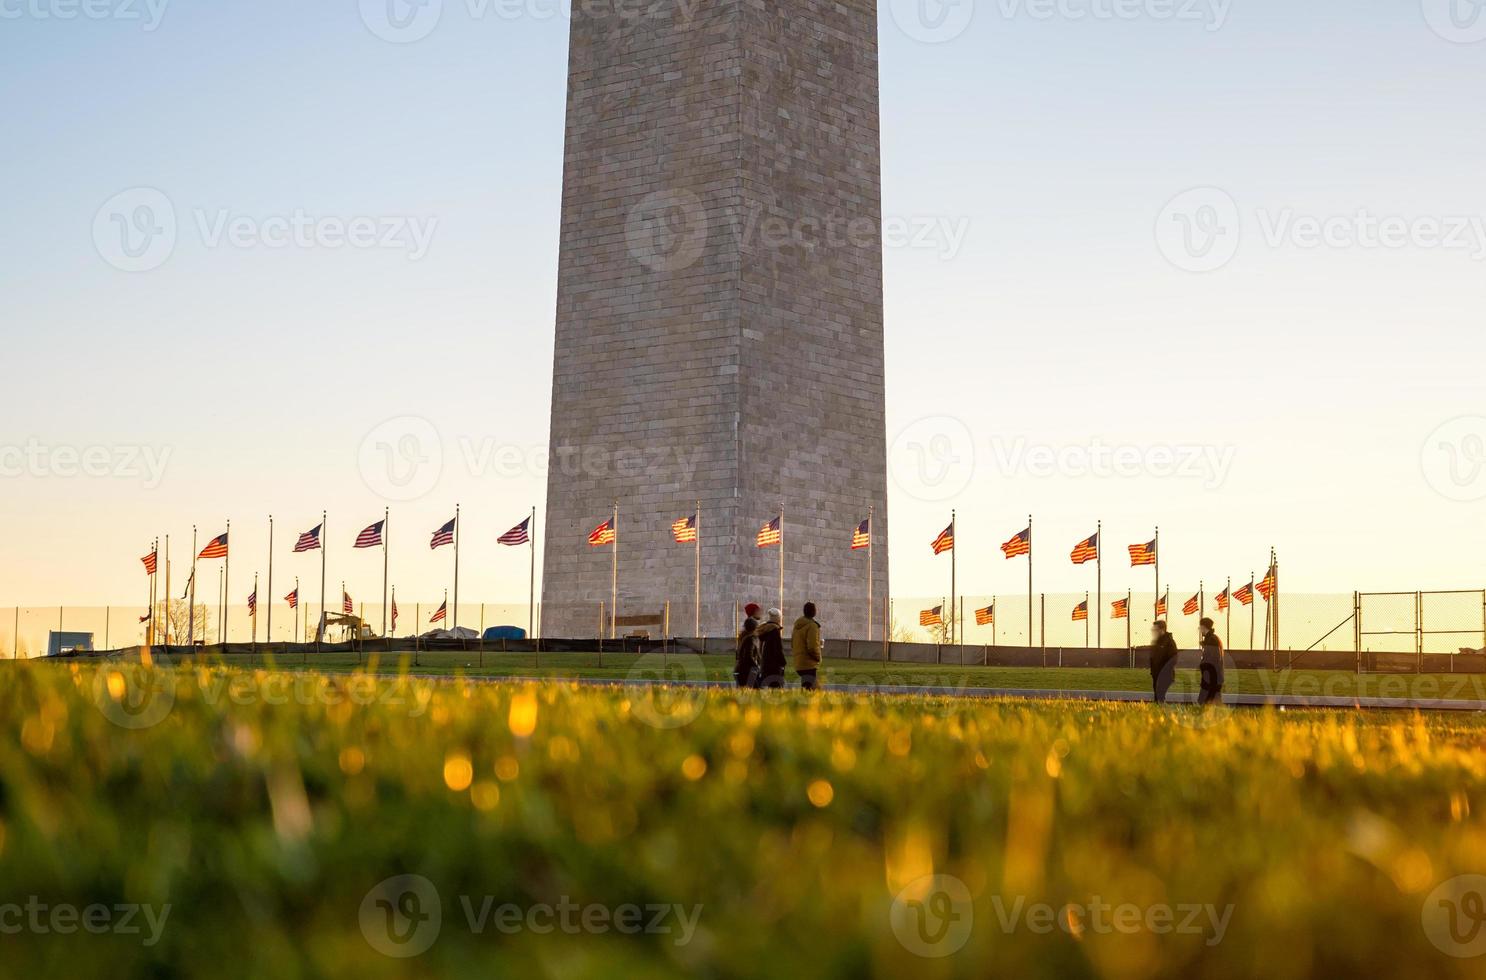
[805, 643]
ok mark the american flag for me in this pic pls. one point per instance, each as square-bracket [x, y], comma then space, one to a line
[215, 548]
[986, 616]
[771, 533]
[685, 530]
[308, 541]
[189, 579]
[1086, 550]
[1222, 600]
[1161, 604]
[145, 618]
[151, 562]
[1081, 612]
[1266, 584]
[1190, 607]
[394, 614]
[1245, 594]
[443, 536]
[862, 536]
[347, 606]
[1143, 554]
[602, 535]
[932, 617]
[520, 534]
[1020, 544]
[1121, 608]
[253, 603]
[438, 614]
[293, 599]
[945, 541]
[371, 537]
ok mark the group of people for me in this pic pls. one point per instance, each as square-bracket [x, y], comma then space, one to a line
[1163, 662]
[760, 661]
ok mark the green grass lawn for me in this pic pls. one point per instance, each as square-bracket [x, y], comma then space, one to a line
[618, 666]
[323, 825]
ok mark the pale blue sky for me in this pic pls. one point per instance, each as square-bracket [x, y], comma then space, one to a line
[1049, 146]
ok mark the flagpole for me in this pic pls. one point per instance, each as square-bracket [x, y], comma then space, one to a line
[1228, 616]
[254, 612]
[456, 567]
[166, 611]
[1129, 601]
[268, 620]
[296, 609]
[1252, 610]
[614, 573]
[1030, 621]
[324, 546]
[1099, 581]
[1087, 611]
[781, 558]
[226, 580]
[191, 616]
[531, 605]
[1157, 602]
[386, 544]
[220, 638]
[871, 509]
[952, 551]
[150, 630]
[696, 629]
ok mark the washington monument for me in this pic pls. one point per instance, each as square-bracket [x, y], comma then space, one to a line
[719, 313]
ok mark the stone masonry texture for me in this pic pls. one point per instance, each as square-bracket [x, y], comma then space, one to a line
[719, 311]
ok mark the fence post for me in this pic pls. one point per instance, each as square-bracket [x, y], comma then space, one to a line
[1356, 629]
[1418, 632]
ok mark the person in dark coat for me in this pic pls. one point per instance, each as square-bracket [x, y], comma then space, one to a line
[1212, 664]
[1163, 660]
[745, 667]
[771, 650]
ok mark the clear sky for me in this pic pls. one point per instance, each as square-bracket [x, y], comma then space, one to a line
[1301, 324]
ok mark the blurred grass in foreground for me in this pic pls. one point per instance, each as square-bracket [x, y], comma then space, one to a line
[265, 808]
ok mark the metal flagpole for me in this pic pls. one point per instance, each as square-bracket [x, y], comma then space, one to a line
[993, 620]
[386, 544]
[614, 572]
[456, 566]
[219, 606]
[781, 558]
[1098, 582]
[191, 615]
[268, 620]
[226, 580]
[870, 510]
[1087, 611]
[324, 546]
[531, 607]
[952, 551]
[697, 598]
[1129, 598]
[1252, 610]
[166, 611]
[296, 609]
[1030, 621]
[1155, 603]
[150, 632]
[254, 611]
[1228, 615]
